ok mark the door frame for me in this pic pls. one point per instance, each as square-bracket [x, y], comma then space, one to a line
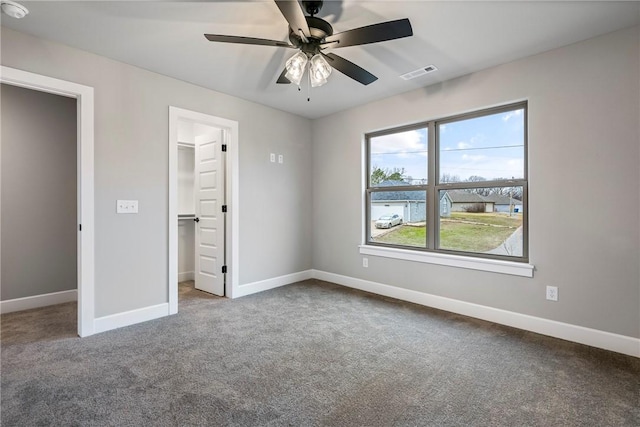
[85, 181]
[230, 138]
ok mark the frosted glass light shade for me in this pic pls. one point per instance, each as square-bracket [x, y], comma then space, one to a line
[295, 67]
[319, 71]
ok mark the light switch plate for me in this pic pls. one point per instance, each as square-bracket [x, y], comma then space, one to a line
[127, 206]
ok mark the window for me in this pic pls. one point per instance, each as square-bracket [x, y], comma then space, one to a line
[457, 185]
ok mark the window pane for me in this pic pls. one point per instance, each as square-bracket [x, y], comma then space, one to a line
[399, 158]
[482, 220]
[483, 148]
[399, 218]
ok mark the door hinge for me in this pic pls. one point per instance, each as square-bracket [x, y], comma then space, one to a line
[224, 268]
[224, 147]
[224, 208]
[80, 227]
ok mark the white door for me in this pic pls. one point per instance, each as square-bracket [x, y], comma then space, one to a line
[210, 220]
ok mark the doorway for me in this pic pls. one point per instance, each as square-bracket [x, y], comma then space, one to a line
[84, 182]
[201, 206]
[202, 203]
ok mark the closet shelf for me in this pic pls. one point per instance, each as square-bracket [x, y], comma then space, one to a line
[186, 216]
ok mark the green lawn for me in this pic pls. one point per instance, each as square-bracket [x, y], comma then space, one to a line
[488, 218]
[405, 235]
[472, 237]
[475, 234]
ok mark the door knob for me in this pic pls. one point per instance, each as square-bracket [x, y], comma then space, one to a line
[196, 219]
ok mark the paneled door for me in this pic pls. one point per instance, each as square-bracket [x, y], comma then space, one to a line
[210, 218]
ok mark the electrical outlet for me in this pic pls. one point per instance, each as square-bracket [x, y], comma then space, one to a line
[280, 158]
[365, 262]
[272, 157]
[552, 293]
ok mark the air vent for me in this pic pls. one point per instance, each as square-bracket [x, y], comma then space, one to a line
[419, 72]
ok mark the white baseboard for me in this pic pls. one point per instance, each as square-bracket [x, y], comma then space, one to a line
[119, 320]
[263, 285]
[592, 337]
[38, 301]
[127, 318]
[187, 275]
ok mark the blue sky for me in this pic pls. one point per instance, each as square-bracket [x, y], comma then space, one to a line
[406, 150]
[489, 146]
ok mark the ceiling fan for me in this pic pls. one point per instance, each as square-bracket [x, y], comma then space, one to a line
[311, 35]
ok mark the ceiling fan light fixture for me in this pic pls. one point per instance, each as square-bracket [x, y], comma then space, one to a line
[295, 67]
[319, 70]
[310, 35]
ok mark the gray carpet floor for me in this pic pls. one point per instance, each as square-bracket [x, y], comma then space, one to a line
[307, 354]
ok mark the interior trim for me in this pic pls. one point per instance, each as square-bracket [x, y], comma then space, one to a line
[566, 331]
[482, 264]
[128, 318]
[186, 275]
[274, 282]
[37, 301]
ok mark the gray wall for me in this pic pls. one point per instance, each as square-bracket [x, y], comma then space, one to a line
[39, 205]
[131, 162]
[583, 138]
[583, 135]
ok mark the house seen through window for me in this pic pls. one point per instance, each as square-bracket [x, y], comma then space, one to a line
[454, 185]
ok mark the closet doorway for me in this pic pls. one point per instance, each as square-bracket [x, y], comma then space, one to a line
[202, 150]
[201, 206]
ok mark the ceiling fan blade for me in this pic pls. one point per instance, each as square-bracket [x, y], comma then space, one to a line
[350, 69]
[372, 34]
[246, 40]
[282, 79]
[292, 12]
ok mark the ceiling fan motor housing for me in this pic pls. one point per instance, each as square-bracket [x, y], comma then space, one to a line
[318, 30]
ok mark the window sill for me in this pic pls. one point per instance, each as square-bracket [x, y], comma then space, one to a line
[482, 264]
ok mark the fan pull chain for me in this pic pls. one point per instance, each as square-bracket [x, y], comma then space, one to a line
[309, 83]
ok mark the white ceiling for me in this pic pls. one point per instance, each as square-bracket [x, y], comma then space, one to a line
[457, 37]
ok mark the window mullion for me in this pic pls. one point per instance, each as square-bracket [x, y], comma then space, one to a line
[432, 199]
[476, 184]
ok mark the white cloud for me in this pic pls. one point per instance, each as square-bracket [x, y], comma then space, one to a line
[488, 167]
[464, 145]
[473, 158]
[404, 142]
[510, 114]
